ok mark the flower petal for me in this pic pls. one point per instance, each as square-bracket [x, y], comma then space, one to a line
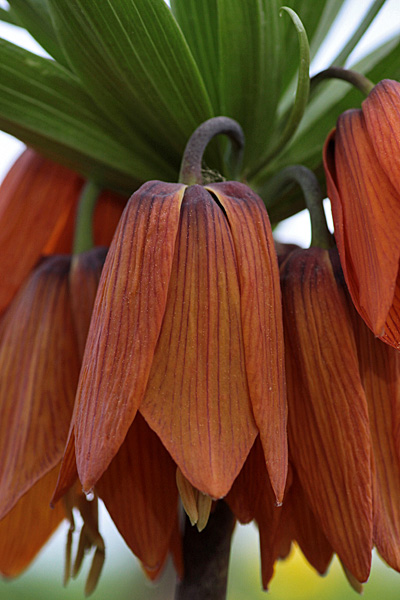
[35, 194]
[83, 281]
[249, 485]
[381, 110]
[125, 326]
[39, 367]
[261, 314]
[197, 398]
[328, 415]
[307, 531]
[107, 213]
[140, 493]
[379, 367]
[27, 527]
[366, 213]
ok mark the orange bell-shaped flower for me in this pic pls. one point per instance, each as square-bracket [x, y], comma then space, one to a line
[362, 165]
[41, 338]
[187, 331]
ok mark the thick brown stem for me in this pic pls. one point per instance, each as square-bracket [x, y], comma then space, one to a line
[206, 557]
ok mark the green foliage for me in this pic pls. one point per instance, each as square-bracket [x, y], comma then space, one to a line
[132, 79]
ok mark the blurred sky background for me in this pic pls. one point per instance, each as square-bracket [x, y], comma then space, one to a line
[295, 579]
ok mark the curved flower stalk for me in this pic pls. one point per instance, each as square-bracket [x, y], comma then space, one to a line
[362, 166]
[343, 405]
[187, 333]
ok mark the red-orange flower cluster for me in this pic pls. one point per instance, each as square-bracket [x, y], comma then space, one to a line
[156, 370]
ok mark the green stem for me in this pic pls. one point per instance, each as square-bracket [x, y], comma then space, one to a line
[191, 172]
[358, 80]
[83, 238]
[321, 237]
[301, 99]
[206, 557]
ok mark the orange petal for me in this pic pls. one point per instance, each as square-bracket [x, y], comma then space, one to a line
[108, 211]
[366, 213]
[197, 398]
[35, 194]
[261, 314]
[379, 366]
[381, 110]
[27, 527]
[140, 493]
[84, 280]
[68, 473]
[125, 326]
[39, 372]
[275, 535]
[307, 531]
[249, 486]
[328, 415]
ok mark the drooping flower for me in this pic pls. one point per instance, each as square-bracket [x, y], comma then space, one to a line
[42, 334]
[343, 414]
[362, 166]
[187, 333]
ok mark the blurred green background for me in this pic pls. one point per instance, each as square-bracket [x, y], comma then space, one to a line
[122, 578]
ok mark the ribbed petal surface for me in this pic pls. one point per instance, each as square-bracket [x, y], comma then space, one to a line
[249, 486]
[307, 530]
[261, 314]
[84, 279]
[197, 397]
[328, 414]
[35, 194]
[27, 527]
[366, 213]
[107, 213]
[140, 493]
[125, 326]
[39, 372]
[381, 110]
[380, 372]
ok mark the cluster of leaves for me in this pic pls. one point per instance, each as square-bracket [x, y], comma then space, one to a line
[128, 81]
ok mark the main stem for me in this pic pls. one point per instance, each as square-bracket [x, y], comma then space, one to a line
[206, 557]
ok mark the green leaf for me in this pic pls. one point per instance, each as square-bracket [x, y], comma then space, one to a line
[317, 19]
[250, 54]
[199, 23]
[358, 33]
[45, 106]
[7, 17]
[133, 60]
[300, 102]
[306, 147]
[34, 16]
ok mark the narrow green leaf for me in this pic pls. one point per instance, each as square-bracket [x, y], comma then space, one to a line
[45, 106]
[300, 102]
[7, 17]
[199, 23]
[317, 19]
[133, 60]
[250, 55]
[34, 16]
[321, 115]
[358, 33]
[326, 19]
